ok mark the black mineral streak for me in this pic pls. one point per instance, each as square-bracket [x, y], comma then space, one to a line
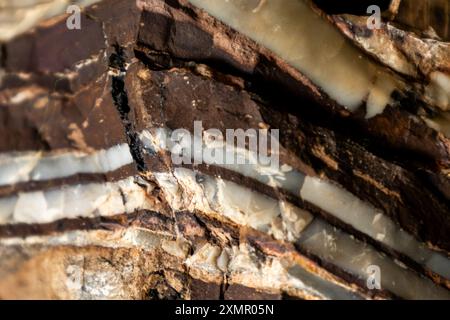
[120, 97]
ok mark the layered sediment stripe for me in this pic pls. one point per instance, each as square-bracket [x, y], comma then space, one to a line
[18, 167]
[342, 250]
[208, 263]
[273, 274]
[363, 217]
[218, 42]
[275, 24]
[72, 201]
[340, 203]
[219, 197]
[186, 190]
[264, 24]
[145, 219]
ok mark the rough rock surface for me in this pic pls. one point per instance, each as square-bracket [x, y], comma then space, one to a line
[92, 205]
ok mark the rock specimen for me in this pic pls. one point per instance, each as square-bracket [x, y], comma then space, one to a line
[94, 205]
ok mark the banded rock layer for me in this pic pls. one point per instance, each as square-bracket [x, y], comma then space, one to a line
[93, 206]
